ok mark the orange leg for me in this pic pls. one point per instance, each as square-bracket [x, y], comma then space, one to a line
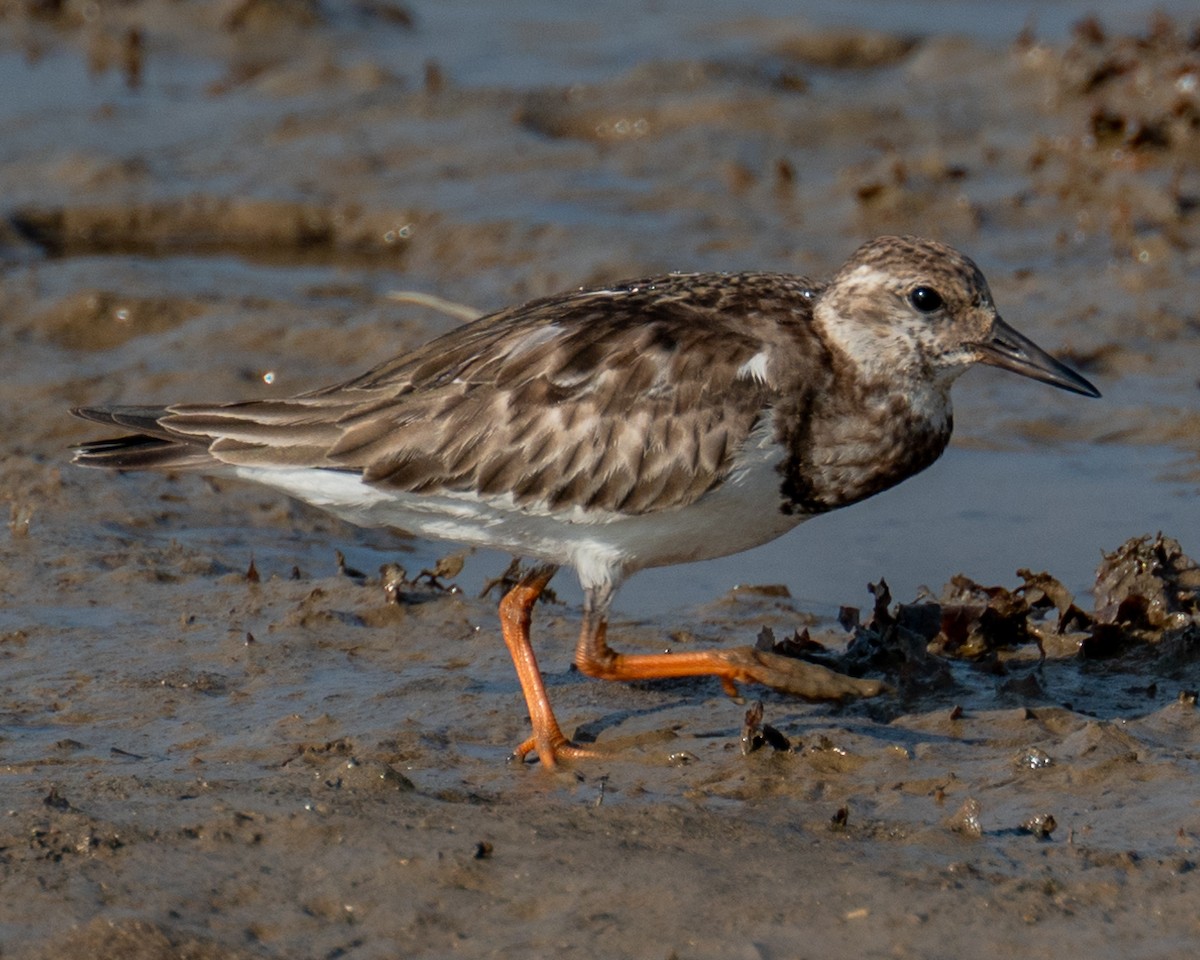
[810, 681]
[595, 658]
[515, 617]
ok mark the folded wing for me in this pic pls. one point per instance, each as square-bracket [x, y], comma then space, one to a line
[589, 400]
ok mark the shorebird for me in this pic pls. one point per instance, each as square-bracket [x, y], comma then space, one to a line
[650, 422]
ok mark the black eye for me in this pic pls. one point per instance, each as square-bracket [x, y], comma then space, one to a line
[926, 299]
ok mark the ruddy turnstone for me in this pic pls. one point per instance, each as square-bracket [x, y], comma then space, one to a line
[650, 422]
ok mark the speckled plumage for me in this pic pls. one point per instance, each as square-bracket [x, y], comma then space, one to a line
[654, 421]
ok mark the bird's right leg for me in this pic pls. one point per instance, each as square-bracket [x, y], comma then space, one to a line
[810, 681]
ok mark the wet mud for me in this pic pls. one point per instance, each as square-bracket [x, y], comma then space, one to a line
[232, 727]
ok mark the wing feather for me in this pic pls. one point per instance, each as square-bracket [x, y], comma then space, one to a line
[633, 398]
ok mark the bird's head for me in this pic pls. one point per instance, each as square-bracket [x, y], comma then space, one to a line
[906, 305]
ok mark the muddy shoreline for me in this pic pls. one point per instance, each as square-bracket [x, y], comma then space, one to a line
[217, 200]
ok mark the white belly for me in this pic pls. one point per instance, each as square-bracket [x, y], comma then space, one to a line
[603, 547]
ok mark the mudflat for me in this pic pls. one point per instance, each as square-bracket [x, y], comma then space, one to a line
[231, 726]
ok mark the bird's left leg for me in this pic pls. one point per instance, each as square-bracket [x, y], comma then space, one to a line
[515, 618]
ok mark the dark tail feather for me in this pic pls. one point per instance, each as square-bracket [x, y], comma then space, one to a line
[144, 419]
[155, 448]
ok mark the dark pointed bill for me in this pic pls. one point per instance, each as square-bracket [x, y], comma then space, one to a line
[1010, 350]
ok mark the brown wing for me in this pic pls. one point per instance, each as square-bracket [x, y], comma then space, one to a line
[634, 398]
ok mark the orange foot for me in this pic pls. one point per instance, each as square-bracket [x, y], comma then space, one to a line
[809, 681]
[595, 658]
[554, 750]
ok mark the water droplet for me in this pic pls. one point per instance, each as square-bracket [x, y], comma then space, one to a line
[400, 233]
